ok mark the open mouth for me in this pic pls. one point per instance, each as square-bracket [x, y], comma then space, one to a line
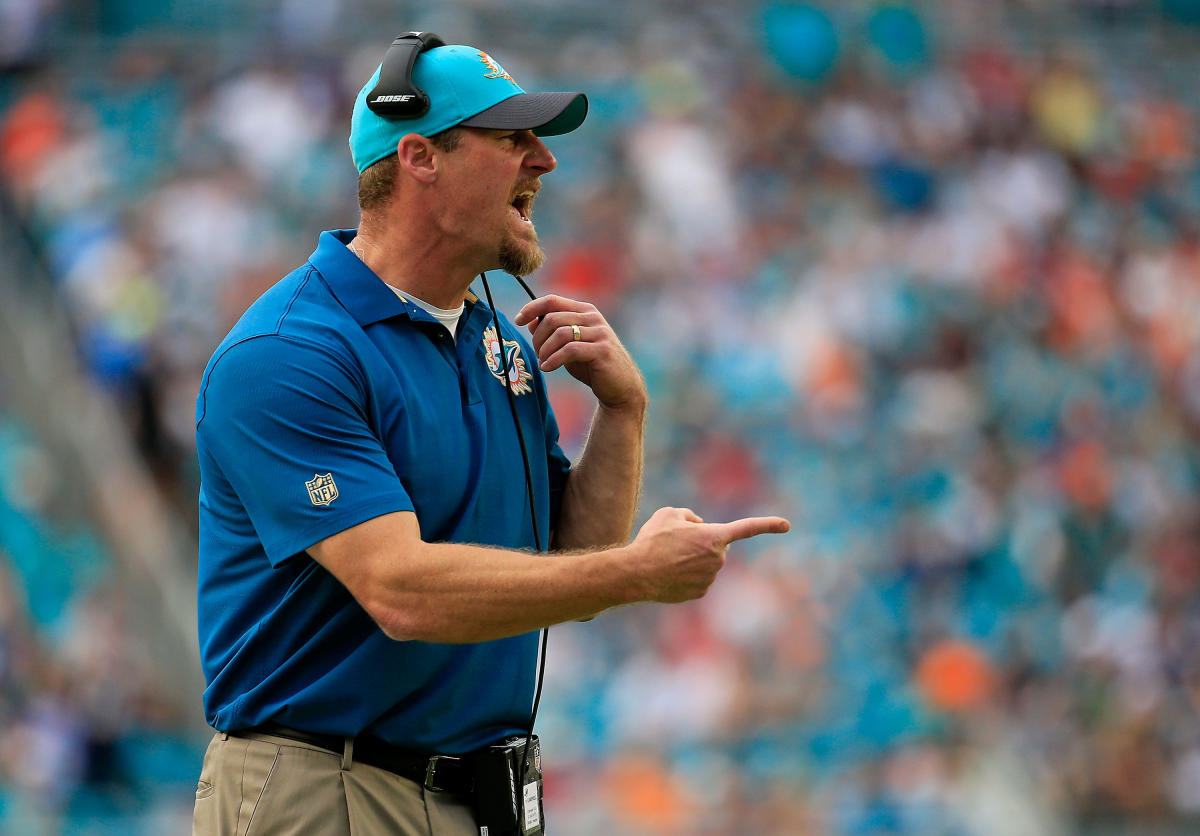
[523, 205]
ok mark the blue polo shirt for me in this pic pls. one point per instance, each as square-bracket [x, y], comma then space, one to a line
[332, 401]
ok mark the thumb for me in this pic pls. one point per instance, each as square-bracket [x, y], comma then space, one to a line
[751, 527]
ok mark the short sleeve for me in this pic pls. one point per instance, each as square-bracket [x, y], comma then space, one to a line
[284, 423]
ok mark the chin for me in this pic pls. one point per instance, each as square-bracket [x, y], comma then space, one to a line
[520, 258]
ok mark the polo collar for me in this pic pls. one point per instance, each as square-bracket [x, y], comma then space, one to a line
[355, 285]
[365, 295]
[476, 318]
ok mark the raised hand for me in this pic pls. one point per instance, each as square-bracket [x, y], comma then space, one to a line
[574, 334]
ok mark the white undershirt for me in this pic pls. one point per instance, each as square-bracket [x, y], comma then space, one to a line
[449, 318]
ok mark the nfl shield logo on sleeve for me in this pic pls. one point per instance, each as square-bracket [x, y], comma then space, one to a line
[322, 490]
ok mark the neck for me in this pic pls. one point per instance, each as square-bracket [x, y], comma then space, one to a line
[426, 266]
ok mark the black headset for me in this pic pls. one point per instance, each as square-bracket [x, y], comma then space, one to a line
[395, 96]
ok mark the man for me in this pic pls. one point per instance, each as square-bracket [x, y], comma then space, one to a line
[369, 590]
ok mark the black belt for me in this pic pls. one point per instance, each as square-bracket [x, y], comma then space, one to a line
[437, 773]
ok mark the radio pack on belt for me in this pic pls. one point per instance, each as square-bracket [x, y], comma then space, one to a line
[508, 788]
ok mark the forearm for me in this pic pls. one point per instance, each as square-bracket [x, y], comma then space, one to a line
[601, 495]
[454, 593]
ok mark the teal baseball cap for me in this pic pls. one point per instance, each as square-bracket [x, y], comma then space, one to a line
[465, 86]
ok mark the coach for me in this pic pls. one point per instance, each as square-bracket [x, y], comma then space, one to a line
[369, 587]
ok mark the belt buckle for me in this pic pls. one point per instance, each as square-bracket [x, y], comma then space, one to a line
[431, 768]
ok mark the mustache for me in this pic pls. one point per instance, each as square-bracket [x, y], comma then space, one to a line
[530, 185]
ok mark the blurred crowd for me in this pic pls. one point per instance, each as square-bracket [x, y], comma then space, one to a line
[81, 711]
[924, 277]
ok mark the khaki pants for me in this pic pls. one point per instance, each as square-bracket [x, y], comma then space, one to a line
[262, 785]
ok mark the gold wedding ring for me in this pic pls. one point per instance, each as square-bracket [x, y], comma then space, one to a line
[574, 332]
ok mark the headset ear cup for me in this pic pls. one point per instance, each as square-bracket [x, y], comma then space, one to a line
[429, 40]
[395, 96]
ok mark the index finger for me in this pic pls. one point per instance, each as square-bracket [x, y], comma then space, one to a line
[548, 304]
[751, 527]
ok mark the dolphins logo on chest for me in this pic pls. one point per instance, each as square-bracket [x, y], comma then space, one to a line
[519, 375]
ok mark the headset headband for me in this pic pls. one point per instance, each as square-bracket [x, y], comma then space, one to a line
[395, 96]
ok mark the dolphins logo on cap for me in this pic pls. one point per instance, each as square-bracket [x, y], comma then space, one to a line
[496, 70]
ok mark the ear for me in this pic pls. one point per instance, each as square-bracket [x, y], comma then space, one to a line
[418, 158]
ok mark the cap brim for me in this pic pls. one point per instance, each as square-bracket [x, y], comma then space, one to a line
[546, 114]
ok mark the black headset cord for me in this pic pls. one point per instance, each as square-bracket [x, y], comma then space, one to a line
[537, 537]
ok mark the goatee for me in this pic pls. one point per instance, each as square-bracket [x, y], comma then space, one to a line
[520, 259]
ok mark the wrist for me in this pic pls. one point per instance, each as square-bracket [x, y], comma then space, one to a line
[628, 584]
[632, 408]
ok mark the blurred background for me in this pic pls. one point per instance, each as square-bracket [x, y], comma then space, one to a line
[922, 276]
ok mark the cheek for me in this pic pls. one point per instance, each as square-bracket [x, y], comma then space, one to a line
[479, 190]
[471, 200]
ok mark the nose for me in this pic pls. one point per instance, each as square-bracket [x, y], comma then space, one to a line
[539, 157]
